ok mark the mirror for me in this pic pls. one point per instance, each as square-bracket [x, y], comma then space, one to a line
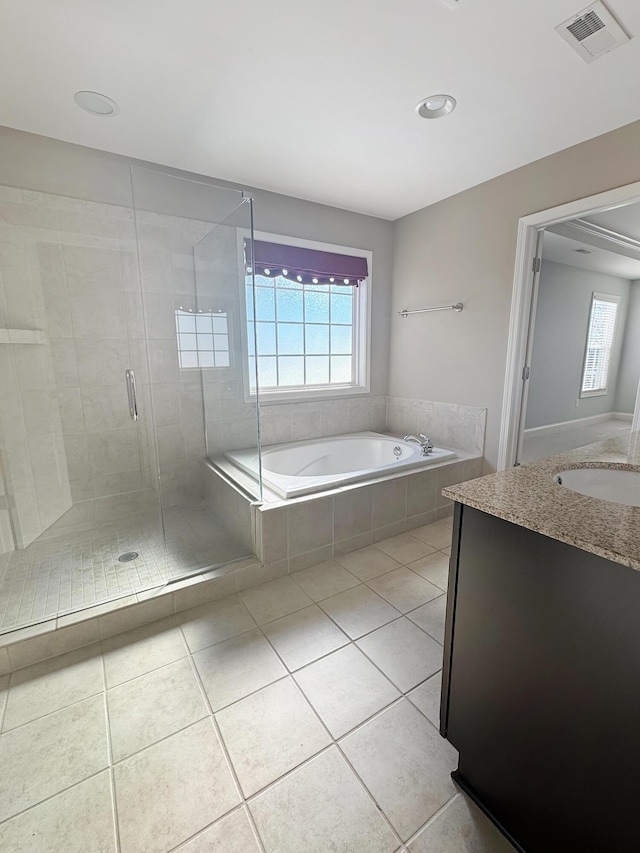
[585, 355]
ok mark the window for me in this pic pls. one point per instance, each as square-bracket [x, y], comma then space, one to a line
[309, 326]
[597, 357]
[203, 338]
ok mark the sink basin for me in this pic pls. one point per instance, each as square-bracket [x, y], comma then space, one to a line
[608, 484]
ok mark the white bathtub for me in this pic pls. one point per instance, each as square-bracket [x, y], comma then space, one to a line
[323, 463]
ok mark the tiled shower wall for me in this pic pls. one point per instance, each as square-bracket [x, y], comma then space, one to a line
[69, 268]
[34, 482]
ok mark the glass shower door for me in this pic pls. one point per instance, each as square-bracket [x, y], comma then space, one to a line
[78, 496]
[190, 249]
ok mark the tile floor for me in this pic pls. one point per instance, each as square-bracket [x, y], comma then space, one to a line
[295, 717]
[558, 441]
[75, 570]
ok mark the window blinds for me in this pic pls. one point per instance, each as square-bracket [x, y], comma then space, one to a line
[602, 323]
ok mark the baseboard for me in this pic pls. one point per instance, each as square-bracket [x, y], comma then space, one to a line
[563, 426]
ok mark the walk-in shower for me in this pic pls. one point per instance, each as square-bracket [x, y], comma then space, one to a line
[122, 333]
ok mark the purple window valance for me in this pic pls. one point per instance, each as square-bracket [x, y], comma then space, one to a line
[307, 266]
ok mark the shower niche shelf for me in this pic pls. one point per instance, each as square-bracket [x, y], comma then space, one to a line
[22, 336]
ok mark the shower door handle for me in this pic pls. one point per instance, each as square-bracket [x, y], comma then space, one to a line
[131, 393]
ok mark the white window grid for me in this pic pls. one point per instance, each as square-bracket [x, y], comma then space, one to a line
[203, 338]
[600, 337]
[340, 335]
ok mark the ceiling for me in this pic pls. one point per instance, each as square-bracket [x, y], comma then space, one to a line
[615, 251]
[562, 250]
[316, 100]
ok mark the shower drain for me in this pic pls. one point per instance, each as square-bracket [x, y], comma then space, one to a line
[126, 558]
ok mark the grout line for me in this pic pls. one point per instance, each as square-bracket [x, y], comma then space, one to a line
[241, 807]
[225, 752]
[112, 780]
[289, 773]
[433, 817]
[5, 703]
[53, 796]
[332, 739]
[49, 713]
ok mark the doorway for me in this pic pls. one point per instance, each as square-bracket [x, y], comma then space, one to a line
[572, 366]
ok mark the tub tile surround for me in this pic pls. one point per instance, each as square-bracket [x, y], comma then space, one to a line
[337, 749]
[313, 529]
[451, 426]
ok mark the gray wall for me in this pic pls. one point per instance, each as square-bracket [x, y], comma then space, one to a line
[463, 248]
[630, 360]
[562, 318]
[39, 163]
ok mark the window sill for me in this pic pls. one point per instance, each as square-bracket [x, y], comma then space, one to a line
[600, 393]
[298, 395]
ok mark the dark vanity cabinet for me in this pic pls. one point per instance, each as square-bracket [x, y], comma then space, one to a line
[541, 687]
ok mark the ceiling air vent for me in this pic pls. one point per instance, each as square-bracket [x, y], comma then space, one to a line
[583, 251]
[593, 32]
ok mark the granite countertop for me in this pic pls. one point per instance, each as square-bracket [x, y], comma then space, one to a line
[528, 496]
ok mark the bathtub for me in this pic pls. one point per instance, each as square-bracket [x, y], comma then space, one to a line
[304, 467]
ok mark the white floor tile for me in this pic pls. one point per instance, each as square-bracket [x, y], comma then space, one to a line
[404, 589]
[78, 820]
[142, 650]
[153, 706]
[368, 562]
[359, 610]
[345, 689]
[434, 568]
[426, 697]
[274, 599]
[52, 753]
[232, 834]
[304, 636]
[431, 617]
[269, 733]
[211, 623]
[405, 764]
[324, 580]
[237, 667]
[406, 547]
[53, 684]
[460, 828]
[438, 534]
[173, 789]
[321, 807]
[403, 652]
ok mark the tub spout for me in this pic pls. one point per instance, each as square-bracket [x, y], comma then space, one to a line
[425, 443]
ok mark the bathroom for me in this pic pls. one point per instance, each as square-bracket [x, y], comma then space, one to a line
[173, 601]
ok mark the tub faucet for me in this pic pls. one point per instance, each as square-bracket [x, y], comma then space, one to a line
[425, 443]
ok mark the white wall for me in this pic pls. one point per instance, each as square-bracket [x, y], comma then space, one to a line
[562, 319]
[463, 249]
[629, 374]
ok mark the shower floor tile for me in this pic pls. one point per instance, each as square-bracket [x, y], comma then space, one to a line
[76, 570]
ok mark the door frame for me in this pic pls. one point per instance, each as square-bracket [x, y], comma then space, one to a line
[523, 305]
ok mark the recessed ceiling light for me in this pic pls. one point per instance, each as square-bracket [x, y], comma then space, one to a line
[96, 104]
[436, 106]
